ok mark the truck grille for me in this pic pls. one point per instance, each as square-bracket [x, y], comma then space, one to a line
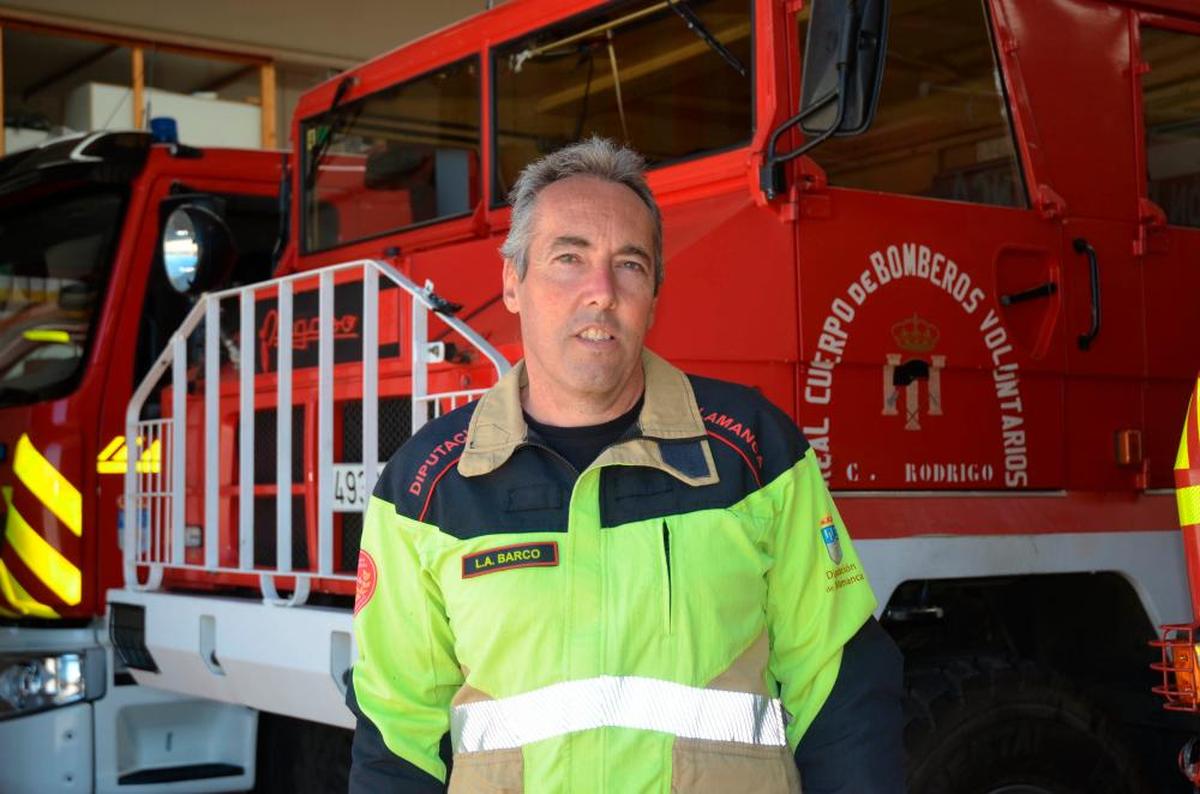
[264, 444]
[264, 532]
[395, 422]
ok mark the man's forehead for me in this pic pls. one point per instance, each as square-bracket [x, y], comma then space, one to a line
[568, 207]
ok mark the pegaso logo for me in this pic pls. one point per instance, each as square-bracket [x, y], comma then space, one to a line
[305, 331]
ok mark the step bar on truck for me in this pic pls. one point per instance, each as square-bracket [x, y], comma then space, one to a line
[156, 535]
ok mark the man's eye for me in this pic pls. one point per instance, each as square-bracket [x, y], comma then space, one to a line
[568, 258]
[634, 264]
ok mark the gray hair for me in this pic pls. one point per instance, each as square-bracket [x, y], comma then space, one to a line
[596, 156]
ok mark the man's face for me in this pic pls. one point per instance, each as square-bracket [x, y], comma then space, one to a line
[587, 298]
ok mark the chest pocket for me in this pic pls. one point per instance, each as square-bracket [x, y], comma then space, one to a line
[714, 572]
[633, 493]
[534, 498]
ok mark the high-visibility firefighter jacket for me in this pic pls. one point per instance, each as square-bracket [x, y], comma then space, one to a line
[669, 620]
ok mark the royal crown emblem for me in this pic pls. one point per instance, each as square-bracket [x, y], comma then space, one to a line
[902, 379]
[916, 334]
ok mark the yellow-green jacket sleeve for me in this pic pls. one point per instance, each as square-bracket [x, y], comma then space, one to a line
[817, 593]
[406, 673]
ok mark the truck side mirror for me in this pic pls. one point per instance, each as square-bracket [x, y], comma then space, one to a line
[843, 66]
[843, 71]
[197, 249]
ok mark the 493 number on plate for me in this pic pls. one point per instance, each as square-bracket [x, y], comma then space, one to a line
[350, 487]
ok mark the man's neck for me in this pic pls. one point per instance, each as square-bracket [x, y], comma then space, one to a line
[552, 407]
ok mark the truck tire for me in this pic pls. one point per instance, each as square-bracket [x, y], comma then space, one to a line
[300, 757]
[988, 726]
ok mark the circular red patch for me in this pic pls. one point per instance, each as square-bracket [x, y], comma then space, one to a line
[364, 585]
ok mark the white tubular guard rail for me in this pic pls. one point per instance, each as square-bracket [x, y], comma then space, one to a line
[155, 533]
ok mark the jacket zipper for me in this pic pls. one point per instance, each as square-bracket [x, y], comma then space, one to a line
[555, 454]
[666, 539]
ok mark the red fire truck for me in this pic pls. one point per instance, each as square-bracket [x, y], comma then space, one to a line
[973, 298]
[84, 310]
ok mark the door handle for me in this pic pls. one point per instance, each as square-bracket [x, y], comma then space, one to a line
[1040, 291]
[1082, 246]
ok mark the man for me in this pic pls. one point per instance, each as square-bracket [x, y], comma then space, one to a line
[580, 583]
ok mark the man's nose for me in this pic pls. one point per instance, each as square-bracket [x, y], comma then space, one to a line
[600, 287]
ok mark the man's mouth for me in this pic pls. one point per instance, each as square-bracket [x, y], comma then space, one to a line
[593, 334]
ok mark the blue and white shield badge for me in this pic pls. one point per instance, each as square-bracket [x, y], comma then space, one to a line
[829, 534]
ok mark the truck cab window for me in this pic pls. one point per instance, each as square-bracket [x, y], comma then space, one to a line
[636, 73]
[55, 258]
[403, 156]
[1171, 116]
[941, 129]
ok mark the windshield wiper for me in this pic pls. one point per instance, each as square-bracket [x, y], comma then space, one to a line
[335, 126]
[696, 26]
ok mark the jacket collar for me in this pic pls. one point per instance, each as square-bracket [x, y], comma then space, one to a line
[669, 417]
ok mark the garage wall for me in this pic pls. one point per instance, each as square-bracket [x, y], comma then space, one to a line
[309, 41]
[330, 31]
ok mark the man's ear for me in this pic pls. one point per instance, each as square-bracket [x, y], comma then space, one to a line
[509, 281]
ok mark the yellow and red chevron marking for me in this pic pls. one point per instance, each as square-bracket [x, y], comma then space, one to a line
[1187, 494]
[1187, 464]
[43, 527]
[48, 484]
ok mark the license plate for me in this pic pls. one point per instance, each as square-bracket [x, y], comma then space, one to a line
[350, 487]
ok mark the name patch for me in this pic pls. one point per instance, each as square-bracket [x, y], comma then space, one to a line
[524, 555]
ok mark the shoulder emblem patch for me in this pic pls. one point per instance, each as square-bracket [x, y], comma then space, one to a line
[364, 585]
[523, 555]
[829, 534]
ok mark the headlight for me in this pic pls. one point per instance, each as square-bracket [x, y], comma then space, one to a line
[33, 683]
[198, 251]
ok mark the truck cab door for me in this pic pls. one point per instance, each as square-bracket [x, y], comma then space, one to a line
[930, 286]
[1068, 61]
[1167, 61]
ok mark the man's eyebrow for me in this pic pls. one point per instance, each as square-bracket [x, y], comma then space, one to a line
[636, 250]
[573, 241]
[570, 241]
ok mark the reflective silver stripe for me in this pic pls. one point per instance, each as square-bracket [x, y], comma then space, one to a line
[621, 702]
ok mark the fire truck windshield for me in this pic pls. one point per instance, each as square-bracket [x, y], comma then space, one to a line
[54, 265]
[400, 157]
